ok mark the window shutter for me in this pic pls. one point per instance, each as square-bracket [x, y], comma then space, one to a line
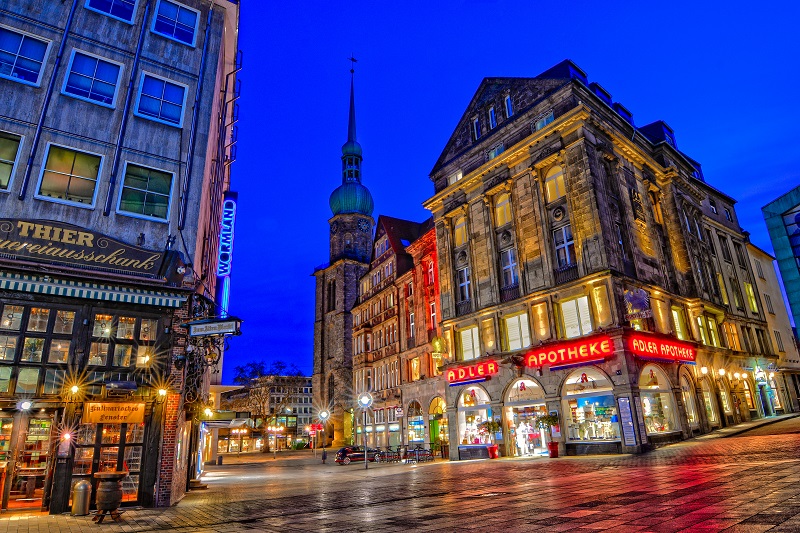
[569, 311]
[524, 328]
[513, 333]
[468, 343]
[585, 315]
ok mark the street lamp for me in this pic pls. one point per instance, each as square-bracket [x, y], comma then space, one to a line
[365, 401]
[274, 430]
[323, 416]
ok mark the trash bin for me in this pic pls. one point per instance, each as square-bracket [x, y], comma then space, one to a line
[81, 495]
[219, 460]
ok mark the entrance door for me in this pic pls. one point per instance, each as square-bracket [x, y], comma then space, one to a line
[30, 469]
[110, 448]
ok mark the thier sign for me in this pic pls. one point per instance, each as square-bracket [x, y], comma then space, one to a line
[113, 413]
[56, 242]
[594, 348]
[472, 373]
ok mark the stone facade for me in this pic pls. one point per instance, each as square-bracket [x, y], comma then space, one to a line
[558, 220]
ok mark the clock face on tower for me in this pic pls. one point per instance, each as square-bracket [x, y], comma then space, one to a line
[363, 225]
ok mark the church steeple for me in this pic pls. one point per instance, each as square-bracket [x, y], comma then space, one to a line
[351, 196]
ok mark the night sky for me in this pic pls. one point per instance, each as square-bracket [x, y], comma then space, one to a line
[724, 76]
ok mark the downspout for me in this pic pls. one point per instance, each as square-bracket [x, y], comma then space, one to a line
[128, 97]
[48, 95]
[187, 176]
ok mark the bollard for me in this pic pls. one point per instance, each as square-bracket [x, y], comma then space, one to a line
[81, 494]
[219, 460]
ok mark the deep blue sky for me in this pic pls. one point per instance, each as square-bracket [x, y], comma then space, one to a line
[723, 76]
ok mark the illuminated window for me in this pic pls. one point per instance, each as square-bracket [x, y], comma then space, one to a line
[118, 9]
[722, 290]
[751, 297]
[502, 210]
[37, 321]
[708, 401]
[145, 191]
[460, 231]
[433, 314]
[59, 351]
[470, 347]
[69, 175]
[176, 21]
[509, 106]
[508, 264]
[748, 396]
[732, 336]
[21, 56]
[517, 333]
[687, 391]
[554, 184]
[701, 327]
[543, 121]
[414, 369]
[9, 150]
[576, 317]
[492, 119]
[541, 322]
[92, 78]
[8, 347]
[431, 269]
[737, 294]
[564, 246]
[454, 177]
[679, 322]
[161, 100]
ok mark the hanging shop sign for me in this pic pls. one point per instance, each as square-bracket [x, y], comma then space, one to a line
[113, 413]
[637, 304]
[472, 373]
[212, 326]
[653, 346]
[585, 350]
[56, 242]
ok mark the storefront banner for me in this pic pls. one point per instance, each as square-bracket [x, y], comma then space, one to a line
[656, 347]
[472, 373]
[585, 350]
[113, 413]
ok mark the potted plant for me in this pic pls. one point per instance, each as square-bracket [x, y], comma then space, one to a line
[546, 422]
[490, 427]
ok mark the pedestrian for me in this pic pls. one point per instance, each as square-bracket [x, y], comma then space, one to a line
[324, 455]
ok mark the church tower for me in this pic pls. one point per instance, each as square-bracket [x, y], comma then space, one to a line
[351, 229]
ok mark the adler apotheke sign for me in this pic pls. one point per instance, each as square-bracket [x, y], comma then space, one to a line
[472, 373]
[653, 346]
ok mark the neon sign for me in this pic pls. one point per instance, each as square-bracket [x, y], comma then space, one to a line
[594, 348]
[225, 254]
[472, 373]
[655, 347]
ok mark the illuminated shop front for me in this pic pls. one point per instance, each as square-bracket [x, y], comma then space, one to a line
[689, 402]
[437, 423]
[524, 403]
[416, 424]
[589, 407]
[709, 403]
[473, 410]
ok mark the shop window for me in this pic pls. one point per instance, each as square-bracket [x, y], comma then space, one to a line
[145, 192]
[31, 465]
[679, 321]
[27, 381]
[576, 317]
[687, 392]
[724, 396]
[98, 353]
[708, 401]
[437, 422]
[748, 395]
[751, 297]
[103, 326]
[502, 210]
[517, 332]
[69, 176]
[658, 405]
[554, 185]
[65, 321]
[473, 410]
[773, 394]
[32, 350]
[37, 321]
[524, 404]
[6, 427]
[21, 56]
[590, 411]
[460, 231]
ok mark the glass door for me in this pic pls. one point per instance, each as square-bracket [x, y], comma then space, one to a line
[29, 472]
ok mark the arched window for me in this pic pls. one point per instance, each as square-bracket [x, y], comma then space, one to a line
[473, 410]
[708, 401]
[687, 391]
[460, 231]
[589, 409]
[416, 423]
[502, 210]
[437, 422]
[658, 405]
[554, 184]
[748, 395]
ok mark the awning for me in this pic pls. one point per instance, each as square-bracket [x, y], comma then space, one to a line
[235, 423]
[91, 291]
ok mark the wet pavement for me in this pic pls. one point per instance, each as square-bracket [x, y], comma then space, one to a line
[745, 478]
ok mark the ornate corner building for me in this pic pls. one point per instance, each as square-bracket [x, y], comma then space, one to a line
[588, 271]
[115, 153]
[351, 229]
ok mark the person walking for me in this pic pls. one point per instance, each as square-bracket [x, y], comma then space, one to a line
[324, 455]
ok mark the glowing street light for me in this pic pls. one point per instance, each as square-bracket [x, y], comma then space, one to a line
[364, 402]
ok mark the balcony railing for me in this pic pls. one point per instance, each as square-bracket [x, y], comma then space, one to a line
[462, 308]
[509, 293]
[566, 273]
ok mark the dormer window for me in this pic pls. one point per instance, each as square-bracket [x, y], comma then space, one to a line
[492, 119]
[476, 129]
[454, 177]
[509, 107]
[713, 205]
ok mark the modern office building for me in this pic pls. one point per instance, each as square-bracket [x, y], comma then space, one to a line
[115, 130]
[590, 272]
[782, 216]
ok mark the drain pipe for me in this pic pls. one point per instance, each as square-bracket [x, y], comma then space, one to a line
[125, 109]
[187, 176]
[47, 96]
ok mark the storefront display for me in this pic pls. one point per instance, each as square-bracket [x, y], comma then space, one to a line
[589, 407]
[524, 404]
[658, 405]
[416, 424]
[708, 402]
[6, 426]
[687, 393]
[437, 422]
[473, 410]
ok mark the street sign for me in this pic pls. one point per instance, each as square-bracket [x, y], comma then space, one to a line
[312, 432]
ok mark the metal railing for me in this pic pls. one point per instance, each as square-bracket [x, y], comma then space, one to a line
[509, 293]
[566, 273]
[464, 307]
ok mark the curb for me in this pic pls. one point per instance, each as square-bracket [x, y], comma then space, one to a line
[761, 423]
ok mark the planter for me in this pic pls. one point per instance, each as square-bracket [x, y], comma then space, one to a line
[109, 494]
[552, 448]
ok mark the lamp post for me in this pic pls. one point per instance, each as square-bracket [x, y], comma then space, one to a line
[274, 430]
[323, 416]
[365, 401]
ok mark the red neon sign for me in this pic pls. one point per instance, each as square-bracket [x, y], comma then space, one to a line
[477, 372]
[595, 348]
[658, 348]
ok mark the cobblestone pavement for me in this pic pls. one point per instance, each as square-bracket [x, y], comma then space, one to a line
[749, 482]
